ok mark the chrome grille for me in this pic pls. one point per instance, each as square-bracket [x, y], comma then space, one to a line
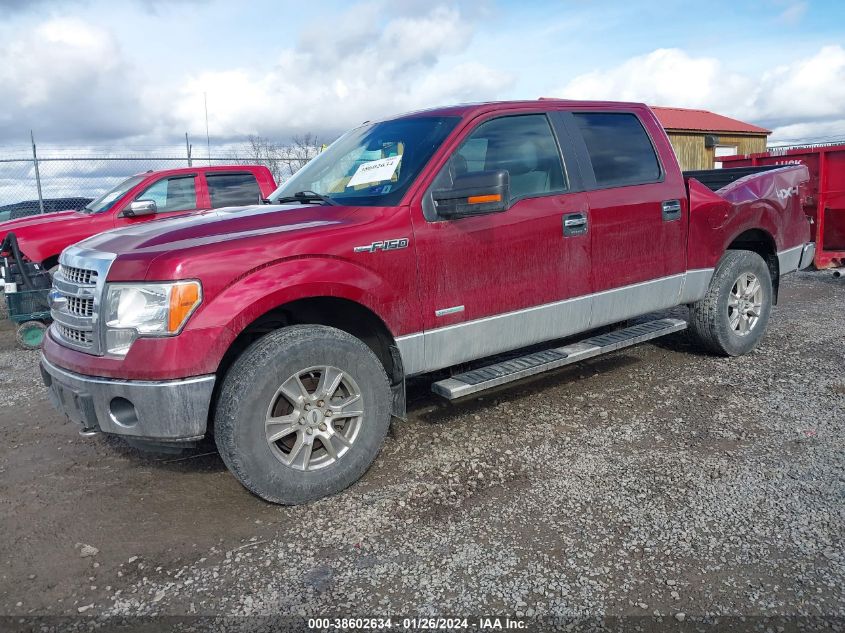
[72, 335]
[81, 276]
[79, 306]
[75, 299]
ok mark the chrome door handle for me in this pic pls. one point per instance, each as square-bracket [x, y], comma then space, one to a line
[574, 224]
[671, 210]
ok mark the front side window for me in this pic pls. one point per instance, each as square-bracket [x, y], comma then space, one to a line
[620, 150]
[522, 145]
[233, 190]
[172, 194]
[372, 165]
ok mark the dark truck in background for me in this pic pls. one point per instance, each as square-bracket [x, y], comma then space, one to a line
[430, 242]
[26, 208]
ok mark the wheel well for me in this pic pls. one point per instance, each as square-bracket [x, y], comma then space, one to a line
[342, 314]
[762, 243]
[51, 261]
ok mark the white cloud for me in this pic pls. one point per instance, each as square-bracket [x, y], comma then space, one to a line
[67, 79]
[808, 91]
[793, 13]
[71, 81]
[816, 132]
[366, 70]
[666, 76]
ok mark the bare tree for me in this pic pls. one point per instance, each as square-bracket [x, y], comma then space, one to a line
[301, 150]
[258, 149]
[282, 160]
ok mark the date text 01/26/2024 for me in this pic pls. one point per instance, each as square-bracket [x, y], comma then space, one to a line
[417, 624]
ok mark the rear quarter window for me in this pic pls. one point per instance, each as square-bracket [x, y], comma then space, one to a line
[233, 190]
[620, 150]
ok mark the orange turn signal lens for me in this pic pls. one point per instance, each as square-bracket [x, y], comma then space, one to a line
[183, 299]
[493, 197]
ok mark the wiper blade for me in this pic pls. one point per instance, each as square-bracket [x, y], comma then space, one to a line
[305, 196]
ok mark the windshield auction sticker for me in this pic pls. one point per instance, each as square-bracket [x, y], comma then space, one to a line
[375, 171]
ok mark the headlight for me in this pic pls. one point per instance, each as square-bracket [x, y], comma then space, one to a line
[134, 310]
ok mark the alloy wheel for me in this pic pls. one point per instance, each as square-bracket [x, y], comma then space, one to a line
[745, 304]
[314, 418]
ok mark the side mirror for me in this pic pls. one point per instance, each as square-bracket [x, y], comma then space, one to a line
[474, 194]
[141, 207]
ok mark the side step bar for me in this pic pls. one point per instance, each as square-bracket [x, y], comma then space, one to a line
[476, 380]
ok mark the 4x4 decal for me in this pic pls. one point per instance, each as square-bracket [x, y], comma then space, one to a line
[383, 245]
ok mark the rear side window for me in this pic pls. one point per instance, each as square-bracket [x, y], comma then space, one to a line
[232, 190]
[620, 150]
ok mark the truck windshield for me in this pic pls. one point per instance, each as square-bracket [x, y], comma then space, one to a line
[105, 202]
[372, 165]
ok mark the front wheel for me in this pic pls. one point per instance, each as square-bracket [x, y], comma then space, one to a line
[302, 413]
[732, 317]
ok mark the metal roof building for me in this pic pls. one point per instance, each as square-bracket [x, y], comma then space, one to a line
[699, 137]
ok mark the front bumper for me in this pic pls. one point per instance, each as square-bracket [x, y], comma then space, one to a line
[164, 411]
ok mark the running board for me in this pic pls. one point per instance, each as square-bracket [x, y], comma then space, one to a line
[484, 378]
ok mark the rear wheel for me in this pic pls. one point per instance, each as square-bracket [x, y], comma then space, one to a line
[302, 413]
[732, 317]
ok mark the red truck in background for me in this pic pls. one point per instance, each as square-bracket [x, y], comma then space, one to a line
[154, 194]
[433, 241]
[824, 201]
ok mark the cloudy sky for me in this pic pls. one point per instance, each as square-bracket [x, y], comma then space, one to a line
[133, 72]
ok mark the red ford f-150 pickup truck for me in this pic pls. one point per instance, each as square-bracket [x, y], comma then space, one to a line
[154, 194]
[430, 241]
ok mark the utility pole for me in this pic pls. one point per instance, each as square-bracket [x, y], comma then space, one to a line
[188, 149]
[37, 172]
[207, 138]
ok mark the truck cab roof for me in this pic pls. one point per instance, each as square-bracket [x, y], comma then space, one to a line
[543, 103]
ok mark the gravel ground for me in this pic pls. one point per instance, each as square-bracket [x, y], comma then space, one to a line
[657, 481]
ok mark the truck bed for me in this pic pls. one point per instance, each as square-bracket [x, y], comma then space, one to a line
[715, 179]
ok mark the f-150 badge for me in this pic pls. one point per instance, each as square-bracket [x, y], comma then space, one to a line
[383, 245]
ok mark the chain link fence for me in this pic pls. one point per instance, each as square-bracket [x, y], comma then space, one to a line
[60, 179]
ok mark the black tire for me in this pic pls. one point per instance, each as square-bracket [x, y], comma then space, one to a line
[709, 318]
[250, 389]
[30, 334]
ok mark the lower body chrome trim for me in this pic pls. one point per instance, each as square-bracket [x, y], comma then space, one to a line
[166, 410]
[808, 254]
[696, 284]
[443, 347]
[789, 260]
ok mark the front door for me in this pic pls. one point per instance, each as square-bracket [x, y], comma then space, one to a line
[495, 282]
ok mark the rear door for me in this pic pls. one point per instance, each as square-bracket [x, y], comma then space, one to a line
[495, 282]
[638, 215]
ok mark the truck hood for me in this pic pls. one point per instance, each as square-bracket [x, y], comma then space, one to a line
[215, 226]
[20, 225]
